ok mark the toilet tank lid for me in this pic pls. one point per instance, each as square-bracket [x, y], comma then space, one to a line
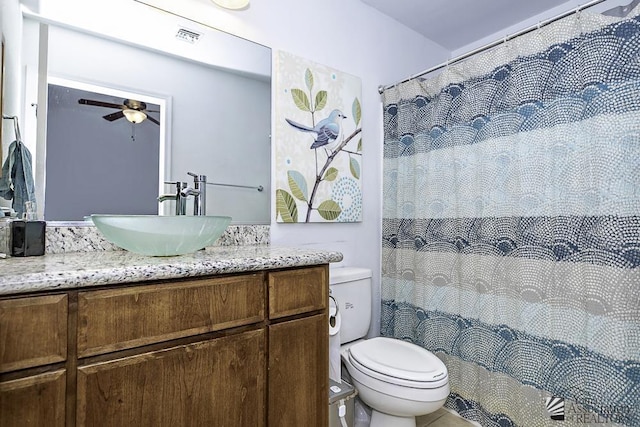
[348, 274]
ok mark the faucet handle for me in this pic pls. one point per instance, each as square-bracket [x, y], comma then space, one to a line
[179, 184]
[197, 178]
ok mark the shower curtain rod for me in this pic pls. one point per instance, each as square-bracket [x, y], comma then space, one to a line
[381, 88]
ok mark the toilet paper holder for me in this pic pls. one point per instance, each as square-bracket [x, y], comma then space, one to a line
[335, 323]
[333, 317]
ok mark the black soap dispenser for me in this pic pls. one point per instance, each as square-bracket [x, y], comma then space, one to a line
[28, 234]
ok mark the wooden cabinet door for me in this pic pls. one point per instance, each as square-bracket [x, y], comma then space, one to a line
[299, 373]
[34, 401]
[219, 383]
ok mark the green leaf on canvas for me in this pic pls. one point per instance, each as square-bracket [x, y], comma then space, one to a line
[330, 174]
[301, 99]
[321, 99]
[286, 206]
[356, 111]
[308, 79]
[355, 167]
[360, 145]
[329, 210]
[298, 185]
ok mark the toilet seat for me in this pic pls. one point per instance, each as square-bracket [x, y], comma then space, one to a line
[398, 362]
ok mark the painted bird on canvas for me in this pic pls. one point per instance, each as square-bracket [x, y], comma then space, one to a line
[328, 131]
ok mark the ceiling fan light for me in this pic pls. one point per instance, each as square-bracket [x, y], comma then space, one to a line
[232, 4]
[134, 116]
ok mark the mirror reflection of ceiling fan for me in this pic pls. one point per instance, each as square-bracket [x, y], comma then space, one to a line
[132, 110]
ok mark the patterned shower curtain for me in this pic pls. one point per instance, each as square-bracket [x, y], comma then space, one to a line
[511, 229]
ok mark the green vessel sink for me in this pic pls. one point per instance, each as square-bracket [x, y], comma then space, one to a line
[157, 235]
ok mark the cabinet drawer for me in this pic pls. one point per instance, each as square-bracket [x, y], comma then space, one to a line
[298, 291]
[33, 331]
[116, 319]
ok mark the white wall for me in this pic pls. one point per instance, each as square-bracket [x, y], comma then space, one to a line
[541, 18]
[344, 34]
[10, 32]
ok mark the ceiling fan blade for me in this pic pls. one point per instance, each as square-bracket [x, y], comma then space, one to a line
[153, 120]
[99, 103]
[114, 116]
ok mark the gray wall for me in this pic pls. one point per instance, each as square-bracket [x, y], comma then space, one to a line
[93, 165]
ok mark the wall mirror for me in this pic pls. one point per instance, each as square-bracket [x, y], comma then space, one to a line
[211, 92]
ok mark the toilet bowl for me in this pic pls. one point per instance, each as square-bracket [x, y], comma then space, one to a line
[397, 379]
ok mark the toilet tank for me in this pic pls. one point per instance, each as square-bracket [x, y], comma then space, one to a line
[351, 288]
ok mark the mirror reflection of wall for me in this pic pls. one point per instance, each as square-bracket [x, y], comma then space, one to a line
[95, 164]
[11, 36]
[218, 120]
[1, 97]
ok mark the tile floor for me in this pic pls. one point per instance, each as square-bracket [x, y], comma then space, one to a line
[442, 418]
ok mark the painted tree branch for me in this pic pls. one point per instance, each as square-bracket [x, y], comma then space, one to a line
[319, 176]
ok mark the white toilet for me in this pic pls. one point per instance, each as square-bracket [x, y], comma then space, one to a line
[397, 379]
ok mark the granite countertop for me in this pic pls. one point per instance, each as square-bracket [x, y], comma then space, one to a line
[86, 269]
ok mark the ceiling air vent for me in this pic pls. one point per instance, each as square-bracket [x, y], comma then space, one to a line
[188, 36]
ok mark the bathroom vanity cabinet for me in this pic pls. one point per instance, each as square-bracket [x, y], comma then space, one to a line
[236, 350]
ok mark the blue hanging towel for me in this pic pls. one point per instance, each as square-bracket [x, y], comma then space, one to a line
[17, 177]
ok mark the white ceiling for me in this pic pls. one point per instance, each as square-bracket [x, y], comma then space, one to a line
[454, 24]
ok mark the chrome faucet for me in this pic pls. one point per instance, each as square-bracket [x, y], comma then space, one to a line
[199, 193]
[181, 200]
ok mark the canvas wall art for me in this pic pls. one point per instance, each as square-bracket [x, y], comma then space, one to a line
[318, 143]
